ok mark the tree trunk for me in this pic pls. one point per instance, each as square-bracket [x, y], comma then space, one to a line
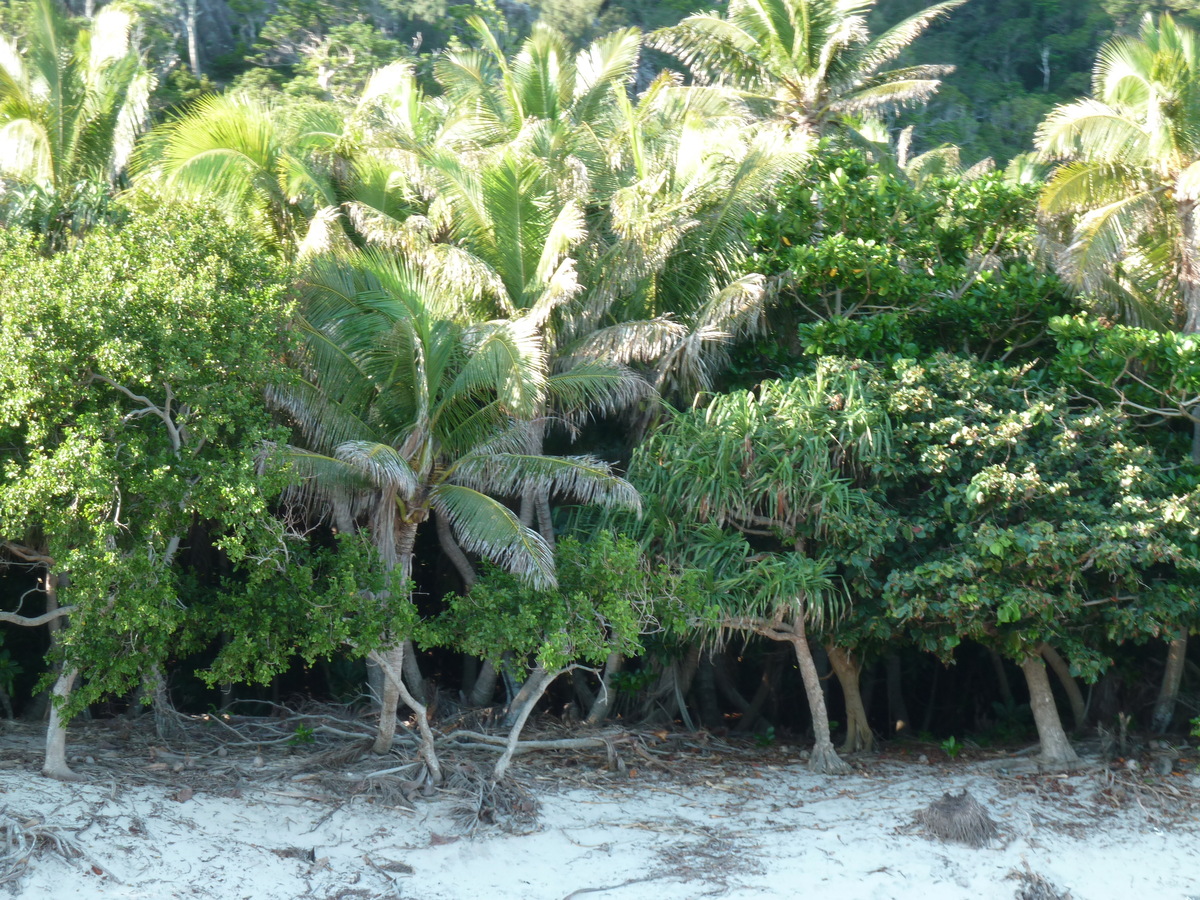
[193, 39]
[485, 686]
[166, 726]
[824, 758]
[1056, 749]
[531, 692]
[453, 552]
[1063, 672]
[706, 693]
[392, 663]
[1164, 707]
[897, 708]
[848, 671]
[599, 711]
[55, 765]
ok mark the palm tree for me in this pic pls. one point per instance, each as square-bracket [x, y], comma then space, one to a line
[665, 283]
[266, 164]
[419, 414]
[70, 109]
[810, 61]
[1126, 197]
[1129, 180]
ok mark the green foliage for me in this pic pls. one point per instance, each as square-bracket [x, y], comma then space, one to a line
[133, 372]
[952, 747]
[876, 267]
[788, 467]
[1013, 60]
[1030, 521]
[607, 599]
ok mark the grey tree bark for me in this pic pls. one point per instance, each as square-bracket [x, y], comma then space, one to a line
[1062, 672]
[1168, 692]
[824, 758]
[55, 765]
[848, 670]
[1056, 749]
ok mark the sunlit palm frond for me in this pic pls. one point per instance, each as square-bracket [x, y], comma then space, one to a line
[584, 479]
[483, 526]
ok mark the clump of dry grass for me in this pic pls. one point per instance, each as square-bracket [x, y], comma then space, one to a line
[504, 804]
[959, 818]
[1036, 887]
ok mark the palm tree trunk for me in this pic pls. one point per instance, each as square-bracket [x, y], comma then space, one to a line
[824, 758]
[1168, 692]
[1070, 686]
[485, 685]
[848, 671]
[193, 39]
[395, 546]
[1056, 749]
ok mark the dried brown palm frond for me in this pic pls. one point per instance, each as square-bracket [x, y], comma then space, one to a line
[959, 818]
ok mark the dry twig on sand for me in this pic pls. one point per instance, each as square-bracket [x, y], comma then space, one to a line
[22, 839]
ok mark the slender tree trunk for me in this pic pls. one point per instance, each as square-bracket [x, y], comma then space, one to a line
[706, 693]
[392, 663]
[1070, 686]
[165, 724]
[1164, 707]
[485, 685]
[528, 686]
[453, 552]
[897, 708]
[599, 711]
[824, 758]
[1056, 749]
[395, 546]
[55, 765]
[531, 692]
[848, 671]
[193, 38]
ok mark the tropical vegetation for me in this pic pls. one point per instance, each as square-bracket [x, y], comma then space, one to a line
[652, 361]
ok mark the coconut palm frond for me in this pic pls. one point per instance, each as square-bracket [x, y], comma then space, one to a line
[483, 526]
[381, 464]
[596, 386]
[584, 479]
[635, 341]
[889, 45]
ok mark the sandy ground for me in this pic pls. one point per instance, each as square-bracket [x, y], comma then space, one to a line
[704, 819]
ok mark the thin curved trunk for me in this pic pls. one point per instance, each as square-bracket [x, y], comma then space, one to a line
[531, 692]
[1168, 692]
[395, 546]
[848, 671]
[824, 758]
[599, 711]
[706, 693]
[453, 552]
[55, 765]
[1070, 686]
[1002, 682]
[1056, 749]
[392, 662]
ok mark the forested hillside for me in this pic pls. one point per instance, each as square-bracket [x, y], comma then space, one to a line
[745, 368]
